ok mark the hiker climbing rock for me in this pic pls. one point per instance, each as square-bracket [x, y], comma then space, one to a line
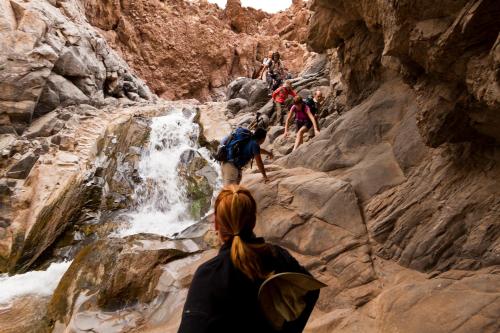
[250, 286]
[264, 69]
[304, 120]
[314, 103]
[276, 72]
[280, 96]
[239, 148]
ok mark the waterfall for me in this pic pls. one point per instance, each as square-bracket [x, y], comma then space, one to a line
[161, 203]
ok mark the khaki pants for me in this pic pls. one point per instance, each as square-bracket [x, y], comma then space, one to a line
[278, 113]
[230, 174]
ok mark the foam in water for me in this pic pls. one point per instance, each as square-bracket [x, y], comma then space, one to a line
[41, 283]
[162, 206]
[161, 203]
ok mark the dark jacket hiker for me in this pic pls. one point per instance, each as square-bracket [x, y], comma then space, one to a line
[223, 296]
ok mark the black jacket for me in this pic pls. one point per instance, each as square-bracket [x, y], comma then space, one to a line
[222, 299]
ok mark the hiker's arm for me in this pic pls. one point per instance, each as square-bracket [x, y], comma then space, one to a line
[313, 120]
[288, 117]
[266, 152]
[260, 165]
[293, 93]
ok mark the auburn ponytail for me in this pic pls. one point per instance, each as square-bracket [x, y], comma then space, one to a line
[235, 216]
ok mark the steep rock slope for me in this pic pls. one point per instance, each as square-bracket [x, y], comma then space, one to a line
[185, 49]
[418, 149]
[50, 57]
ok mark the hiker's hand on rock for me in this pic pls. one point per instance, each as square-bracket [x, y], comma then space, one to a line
[316, 132]
[286, 134]
[266, 180]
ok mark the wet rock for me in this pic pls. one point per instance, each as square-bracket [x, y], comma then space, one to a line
[200, 178]
[22, 168]
[146, 290]
[118, 273]
[25, 314]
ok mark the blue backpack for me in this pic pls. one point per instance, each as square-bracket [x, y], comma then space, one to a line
[309, 101]
[235, 145]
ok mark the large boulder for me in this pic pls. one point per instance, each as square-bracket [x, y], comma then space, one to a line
[234, 87]
[236, 104]
[49, 57]
[255, 92]
[120, 274]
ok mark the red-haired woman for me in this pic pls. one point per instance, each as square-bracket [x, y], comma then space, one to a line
[223, 296]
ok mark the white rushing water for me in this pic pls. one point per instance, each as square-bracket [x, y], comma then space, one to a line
[41, 283]
[162, 206]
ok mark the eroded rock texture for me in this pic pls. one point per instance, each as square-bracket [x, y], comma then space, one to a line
[187, 49]
[416, 150]
[50, 57]
[447, 51]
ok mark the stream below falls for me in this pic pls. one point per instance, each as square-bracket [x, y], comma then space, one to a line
[160, 202]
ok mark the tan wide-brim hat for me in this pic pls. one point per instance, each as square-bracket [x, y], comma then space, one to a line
[282, 296]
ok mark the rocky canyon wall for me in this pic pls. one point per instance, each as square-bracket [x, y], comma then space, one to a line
[50, 57]
[185, 49]
[417, 151]
[395, 205]
[447, 51]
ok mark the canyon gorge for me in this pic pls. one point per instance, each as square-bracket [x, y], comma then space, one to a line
[110, 111]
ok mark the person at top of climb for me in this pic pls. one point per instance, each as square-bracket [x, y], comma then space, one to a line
[242, 147]
[280, 96]
[276, 72]
[304, 120]
[265, 66]
[228, 293]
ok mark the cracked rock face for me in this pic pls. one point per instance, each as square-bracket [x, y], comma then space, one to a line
[447, 51]
[51, 57]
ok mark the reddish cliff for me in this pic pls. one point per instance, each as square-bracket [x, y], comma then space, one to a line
[186, 49]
